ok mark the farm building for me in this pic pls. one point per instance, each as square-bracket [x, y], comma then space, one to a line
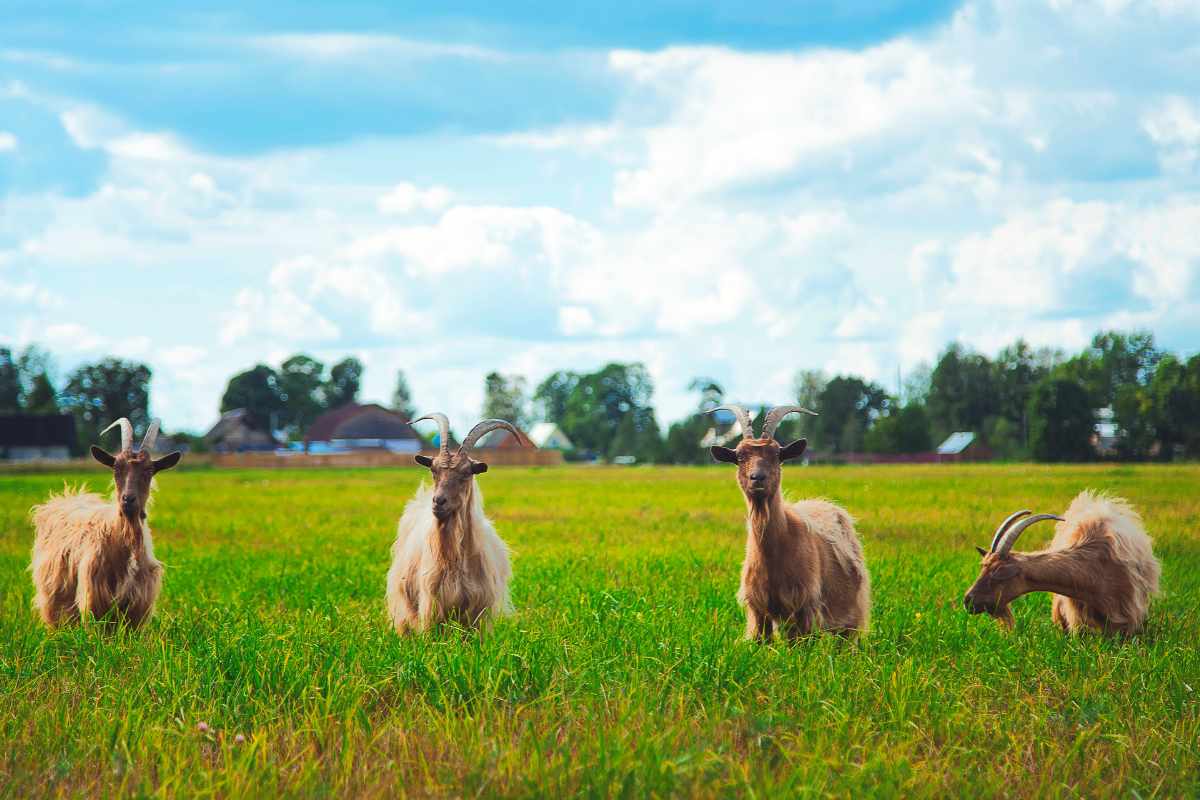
[25, 437]
[501, 440]
[235, 433]
[963, 446]
[548, 436]
[363, 427]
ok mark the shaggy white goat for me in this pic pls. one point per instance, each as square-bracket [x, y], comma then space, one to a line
[448, 563]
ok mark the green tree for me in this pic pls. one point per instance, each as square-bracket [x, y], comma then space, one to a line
[553, 395]
[10, 383]
[682, 444]
[1172, 405]
[1061, 421]
[41, 397]
[300, 381]
[402, 398]
[345, 380]
[96, 394]
[504, 398]
[590, 407]
[906, 430]
[257, 391]
[847, 407]
[963, 392]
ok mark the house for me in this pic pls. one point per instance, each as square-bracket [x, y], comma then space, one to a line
[1106, 436]
[25, 437]
[235, 433]
[362, 427]
[963, 446]
[502, 440]
[548, 436]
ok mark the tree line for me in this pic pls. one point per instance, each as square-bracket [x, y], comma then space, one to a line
[1025, 403]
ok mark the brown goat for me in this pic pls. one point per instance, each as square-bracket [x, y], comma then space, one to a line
[1100, 568]
[448, 562]
[804, 567]
[93, 557]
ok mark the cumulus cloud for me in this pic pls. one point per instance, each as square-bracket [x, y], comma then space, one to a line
[8, 142]
[404, 198]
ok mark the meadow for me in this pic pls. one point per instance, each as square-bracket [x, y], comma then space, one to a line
[271, 670]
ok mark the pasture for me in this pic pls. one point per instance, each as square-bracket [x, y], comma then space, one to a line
[270, 668]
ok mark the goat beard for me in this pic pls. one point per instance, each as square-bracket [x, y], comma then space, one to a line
[1003, 615]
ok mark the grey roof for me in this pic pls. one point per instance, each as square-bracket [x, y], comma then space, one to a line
[956, 443]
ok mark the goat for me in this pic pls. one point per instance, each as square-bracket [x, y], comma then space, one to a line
[804, 567]
[1100, 568]
[448, 563]
[93, 557]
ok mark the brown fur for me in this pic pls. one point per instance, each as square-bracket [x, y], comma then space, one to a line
[1100, 567]
[804, 568]
[96, 558]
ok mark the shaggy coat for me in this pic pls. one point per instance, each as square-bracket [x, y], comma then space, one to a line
[1100, 569]
[90, 559]
[804, 568]
[803, 571]
[453, 569]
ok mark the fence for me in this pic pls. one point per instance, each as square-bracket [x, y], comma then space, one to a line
[363, 458]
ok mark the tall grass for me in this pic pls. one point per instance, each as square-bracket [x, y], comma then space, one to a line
[622, 672]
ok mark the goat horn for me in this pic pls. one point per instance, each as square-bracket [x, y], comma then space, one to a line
[443, 429]
[1009, 520]
[776, 415]
[743, 418]
[151, 436]
[487, 426]
[1010, 537]
[126, 433]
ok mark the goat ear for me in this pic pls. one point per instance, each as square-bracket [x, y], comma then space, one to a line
[723, 454]
[103, 456]
[793, 450]
[980, 550]
[478, 467]
[424, 461]
[167, 461]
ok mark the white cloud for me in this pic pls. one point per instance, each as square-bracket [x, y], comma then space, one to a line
[404, 198]
[8, 142]
[1174, 125]
[333, 47]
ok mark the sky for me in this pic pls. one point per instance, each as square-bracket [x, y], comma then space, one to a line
[727, 189]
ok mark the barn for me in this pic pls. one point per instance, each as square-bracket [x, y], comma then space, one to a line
[362, 427]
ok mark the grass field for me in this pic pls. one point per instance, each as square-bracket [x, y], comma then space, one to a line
[622, 672]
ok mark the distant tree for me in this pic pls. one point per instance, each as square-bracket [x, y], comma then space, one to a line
[402, 398]
[906, 430]
[1172, 404]
[847, 406]
[553, 395]
[916, 384]
[590, 407]
[504, 398]
[97, 394]
[345, 380]
[10, 383]
[300, 381]
[257, 391]
[682, 445]
[41, 397]
[638, 435]
[1061, 421]
[963, 392]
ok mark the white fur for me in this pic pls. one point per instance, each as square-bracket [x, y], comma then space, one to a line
[468, 581]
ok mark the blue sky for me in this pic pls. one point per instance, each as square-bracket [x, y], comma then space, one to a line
[727, 189]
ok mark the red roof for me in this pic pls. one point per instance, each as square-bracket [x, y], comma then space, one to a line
[354, 421]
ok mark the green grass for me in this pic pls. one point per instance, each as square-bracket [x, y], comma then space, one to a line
[622, 672]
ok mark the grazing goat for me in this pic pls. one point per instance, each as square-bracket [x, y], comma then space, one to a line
[93, 557]
[1100, 567]
[447, 561]
[804, 567]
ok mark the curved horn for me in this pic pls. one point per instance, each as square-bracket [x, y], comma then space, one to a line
[151, 436]
[443, 429]
[1009, 520]
[776, 415]
[743, 418]
[487, 426]
[1010, 537]
[126, 434]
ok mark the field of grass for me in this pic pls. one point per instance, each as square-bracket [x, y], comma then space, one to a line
[622, 672]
